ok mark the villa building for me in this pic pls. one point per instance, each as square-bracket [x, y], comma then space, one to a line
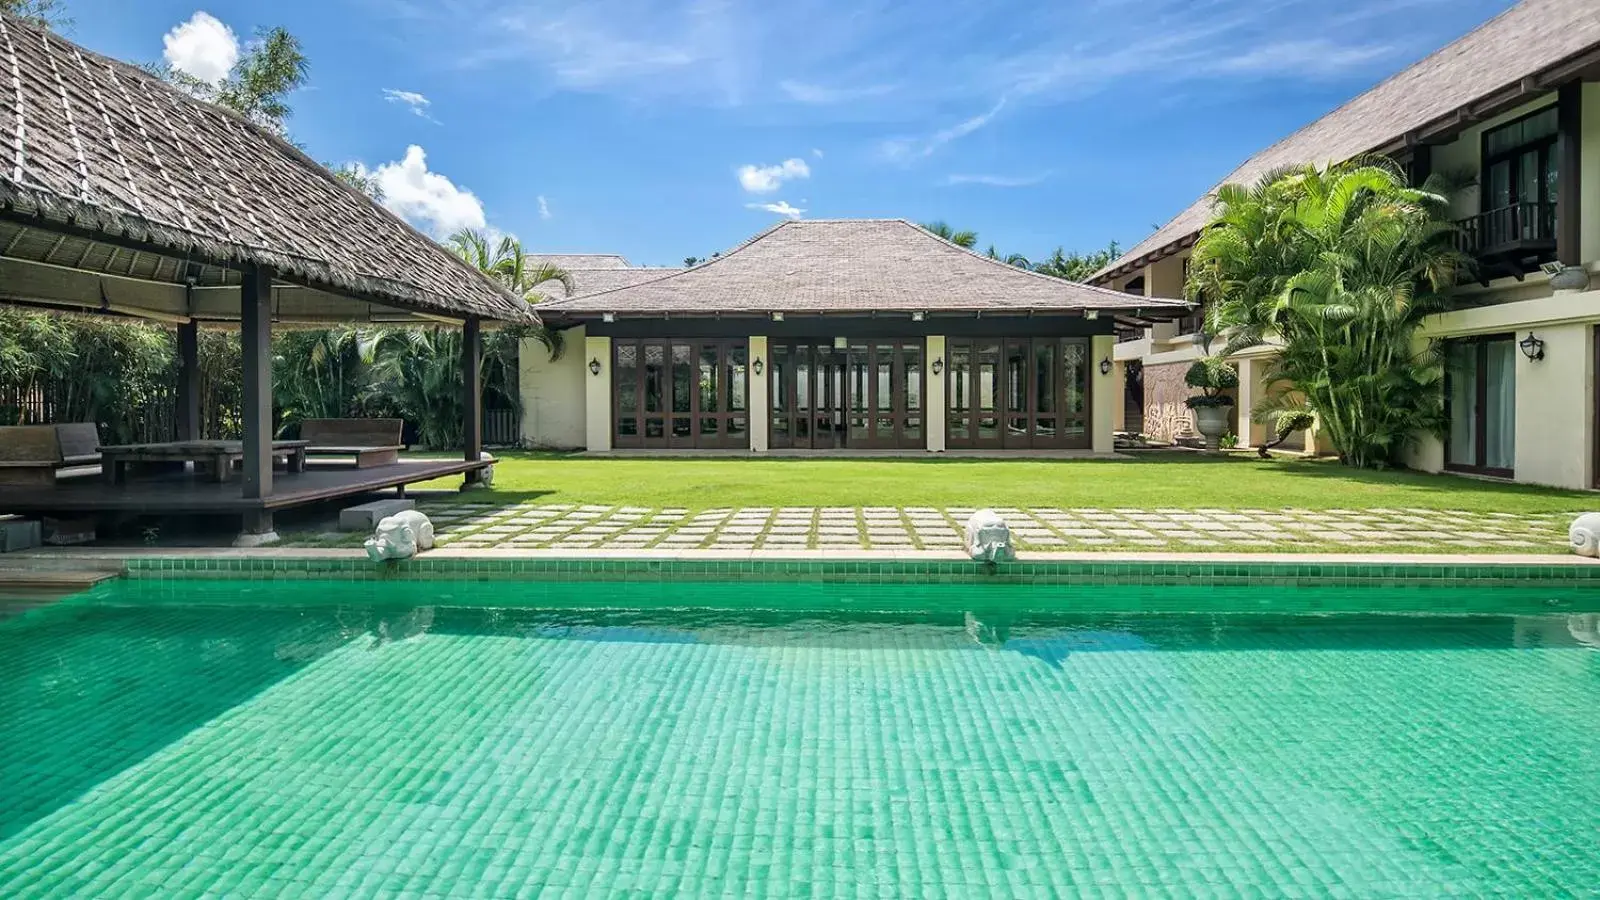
[830, 336]
[1516, 105]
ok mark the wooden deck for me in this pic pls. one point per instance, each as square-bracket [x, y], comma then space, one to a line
[187, 493]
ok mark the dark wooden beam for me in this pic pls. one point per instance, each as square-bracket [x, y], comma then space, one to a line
[189, 381]
[255, 336]
[472, 393]
[1569, 166]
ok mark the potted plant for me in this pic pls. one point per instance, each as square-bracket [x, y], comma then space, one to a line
[1212, 375]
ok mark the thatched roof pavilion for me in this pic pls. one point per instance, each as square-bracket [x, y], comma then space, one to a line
[120, 194]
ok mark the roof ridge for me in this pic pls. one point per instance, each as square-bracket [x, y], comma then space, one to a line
[1005, 265]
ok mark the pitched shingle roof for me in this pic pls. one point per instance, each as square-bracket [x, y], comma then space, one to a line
[100, 149]
[571, 261]
[1529, 38]
[851, 265]
[593, 281]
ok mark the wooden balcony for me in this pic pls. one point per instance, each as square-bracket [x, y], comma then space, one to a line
[1512, 240]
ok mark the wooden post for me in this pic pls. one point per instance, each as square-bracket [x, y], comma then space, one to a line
[255, 333]
[472, 395]
[189, 381]
[1569, 165]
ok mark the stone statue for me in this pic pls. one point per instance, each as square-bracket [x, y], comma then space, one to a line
[1585, 535]
[989, 537]
[400, 536]
[486, 475]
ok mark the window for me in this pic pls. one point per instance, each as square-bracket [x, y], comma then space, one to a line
[679, 393]
[1518, 193]
[1017, 393]
[1480, 397]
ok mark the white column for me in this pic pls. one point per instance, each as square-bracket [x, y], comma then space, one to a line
[1248, 395]
[760, 405]
[597, 394]
[933, 402]
[1103, 398]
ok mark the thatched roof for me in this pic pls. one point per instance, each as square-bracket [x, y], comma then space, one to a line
[596, 280]
[571, 261]
[105, 169]
[1512, 57]
[850, 266]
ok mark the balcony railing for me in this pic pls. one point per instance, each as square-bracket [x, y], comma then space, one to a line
[1517, 231]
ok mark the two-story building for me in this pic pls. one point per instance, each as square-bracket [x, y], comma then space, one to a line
[1515, 104]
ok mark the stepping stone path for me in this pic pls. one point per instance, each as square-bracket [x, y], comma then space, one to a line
[531, 526]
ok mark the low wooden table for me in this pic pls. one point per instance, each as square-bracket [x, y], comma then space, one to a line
[217, 457]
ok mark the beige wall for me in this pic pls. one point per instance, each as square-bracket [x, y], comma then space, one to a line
[553, 393]
[1103, 398]
[597, 393]
[1119, 406]
[933, 401]
[760, 407]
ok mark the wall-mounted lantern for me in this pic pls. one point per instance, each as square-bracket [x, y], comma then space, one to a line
[1532, 348]
[1105, 366]
[938, 367]
[757, 367]
[594, 367]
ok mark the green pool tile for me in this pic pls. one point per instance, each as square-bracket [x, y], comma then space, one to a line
[465, 738]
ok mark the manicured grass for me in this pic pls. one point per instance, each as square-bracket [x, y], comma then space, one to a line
[1149, 481]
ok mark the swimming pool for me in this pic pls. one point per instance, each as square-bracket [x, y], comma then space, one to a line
[478, 739]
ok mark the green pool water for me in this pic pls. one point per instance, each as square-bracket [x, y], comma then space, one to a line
[463, 740]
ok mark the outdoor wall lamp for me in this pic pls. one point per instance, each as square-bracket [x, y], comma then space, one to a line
[594, 366]
[757, 366]
[1105, 366]
[1532, 348]
[938, 366]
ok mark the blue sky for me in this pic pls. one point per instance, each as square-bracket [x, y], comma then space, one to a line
[663, 129]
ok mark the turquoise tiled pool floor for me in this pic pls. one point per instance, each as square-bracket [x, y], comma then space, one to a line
[474, 751]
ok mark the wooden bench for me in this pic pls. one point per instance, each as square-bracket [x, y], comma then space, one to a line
[373, 442]
[32, 454]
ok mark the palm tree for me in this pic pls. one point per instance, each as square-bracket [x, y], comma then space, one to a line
[1340, 265]
[1012, 259]
[516, 270]
[967, 239]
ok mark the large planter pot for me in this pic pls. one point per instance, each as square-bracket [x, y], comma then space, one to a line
[1213, 422]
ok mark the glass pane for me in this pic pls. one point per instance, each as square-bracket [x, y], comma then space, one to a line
[681, 428]
[913, 386]
[885, 428]
[778, 379]
[736, 427]
[710, 427]
[958, 428]
[912, 433]
[1075, 383]
[883, 380]
[859, 375]
[1017, 377]
[1045, 426]
[655, 361]
[960, 378]
[988, 428]
[1462, 362]
[1500, 185]
[858, 428]
[627, 426]
[625, 378]
[710, 396]
[737, 380]
[1499, 413]
[682, 378]
[655, 428]
[988, 377]
[1044, 376]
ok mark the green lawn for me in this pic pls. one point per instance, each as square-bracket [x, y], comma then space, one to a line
[1151, 481]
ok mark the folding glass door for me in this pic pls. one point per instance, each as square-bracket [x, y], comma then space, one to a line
[680, 393]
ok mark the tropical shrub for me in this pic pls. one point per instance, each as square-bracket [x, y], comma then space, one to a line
[1340, 265]
[1211, 375]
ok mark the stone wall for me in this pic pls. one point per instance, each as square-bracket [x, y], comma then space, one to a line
[1165, 416]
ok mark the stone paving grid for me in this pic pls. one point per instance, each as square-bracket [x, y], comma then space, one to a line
[587, 527]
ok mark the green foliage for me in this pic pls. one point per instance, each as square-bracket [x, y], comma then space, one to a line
[1078, 266]
[49, 13]
[1212, 375]
[270, 69]
[108, 371]
[326, 374]
[967, 239]
[358, 177]
[1340, 265]
[1228, 441]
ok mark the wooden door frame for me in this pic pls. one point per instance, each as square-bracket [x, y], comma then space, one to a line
[974, 407]
[1480, 399]
[696, 439]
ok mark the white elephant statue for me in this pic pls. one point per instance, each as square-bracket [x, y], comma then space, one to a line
[988, 537]
[400, 536]
[486, 474]
[1585, 535]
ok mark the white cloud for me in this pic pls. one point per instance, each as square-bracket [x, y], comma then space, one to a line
[781, 208]
[202, 47]
[428, 200]
[766, 179]
[994, 180]
[544, 208]
[905, 149]
[817, 153]
[412, 100]
[819, 95]
[1319, 58]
